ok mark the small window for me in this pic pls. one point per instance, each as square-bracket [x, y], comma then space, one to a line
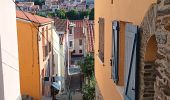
[74, 51]
[71, 44]
[70, 31]
[101, 39]
[80, 42]
[80, 51]
[111, 1]
[47, 33]
[46, 78]
[49, 46]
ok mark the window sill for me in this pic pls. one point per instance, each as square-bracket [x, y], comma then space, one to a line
[120, 90]
[100, 60]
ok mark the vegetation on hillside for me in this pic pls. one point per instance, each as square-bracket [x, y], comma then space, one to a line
[71, 15]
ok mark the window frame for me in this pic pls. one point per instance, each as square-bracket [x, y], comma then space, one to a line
[80, 43]
[81, 51]
[71, 44]
[101, 38]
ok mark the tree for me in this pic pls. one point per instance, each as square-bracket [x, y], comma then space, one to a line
[72, 15]
[50, 14]
[83, 14]
[91, 16]
[87, 68]
[61, 14]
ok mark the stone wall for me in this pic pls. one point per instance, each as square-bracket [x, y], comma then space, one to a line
[162, 85]
[147, 68]
[154, 77]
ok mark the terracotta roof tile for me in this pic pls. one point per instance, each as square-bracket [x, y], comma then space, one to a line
[60, 24]
[32, 17]
[78, 32]
[78, 23]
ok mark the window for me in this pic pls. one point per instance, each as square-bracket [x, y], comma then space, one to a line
[80, 42]
[46, 78]
[46, 50]
[74, 51]
[49, 43]
[101, 39]
[43, 43]
[47, 33]
[71, 44]
[70, 31]
[80, 51]
[111, 1]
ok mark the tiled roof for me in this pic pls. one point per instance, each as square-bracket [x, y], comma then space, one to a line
[78, 29]
[32, 17]
[90, 35]
[60, 24]
[78, 23]
[78, 32]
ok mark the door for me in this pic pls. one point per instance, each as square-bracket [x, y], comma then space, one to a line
[130, 61]
[115, 50]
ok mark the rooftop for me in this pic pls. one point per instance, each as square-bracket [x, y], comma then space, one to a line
[32, 17]
[60, 24]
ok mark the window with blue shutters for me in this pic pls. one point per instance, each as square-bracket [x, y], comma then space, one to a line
[115, 50]
[131, 39]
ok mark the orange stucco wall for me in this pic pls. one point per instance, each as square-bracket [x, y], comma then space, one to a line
[123, 10]
[28, 59]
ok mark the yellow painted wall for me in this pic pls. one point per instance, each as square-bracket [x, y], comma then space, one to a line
[123, 10]
[28, 59]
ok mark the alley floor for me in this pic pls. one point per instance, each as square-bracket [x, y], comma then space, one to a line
[75, 87]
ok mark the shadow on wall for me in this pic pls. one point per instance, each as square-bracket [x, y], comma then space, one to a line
[1, 76]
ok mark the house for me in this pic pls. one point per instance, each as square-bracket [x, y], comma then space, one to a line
[88, 2]
[131, 49]
[27, 6]
[81, 7]
[61, 50]
[35, 54]
[78, 42]
[9, 62]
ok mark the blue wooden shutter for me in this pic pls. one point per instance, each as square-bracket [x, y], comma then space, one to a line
[115, 50]
[130, 61]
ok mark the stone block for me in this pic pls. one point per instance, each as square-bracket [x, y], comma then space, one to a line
[158, 1]
[163, 12]
[166, 20]
[161, 37]
[167, 27]
[166, 2]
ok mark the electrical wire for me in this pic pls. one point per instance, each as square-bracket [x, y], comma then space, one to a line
[10, 66]
[37, 28]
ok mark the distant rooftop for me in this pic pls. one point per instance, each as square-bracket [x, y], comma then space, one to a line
[60, 24]
[32, 17]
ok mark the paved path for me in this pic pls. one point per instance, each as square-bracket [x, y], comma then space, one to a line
[75, 82]
[75, 87]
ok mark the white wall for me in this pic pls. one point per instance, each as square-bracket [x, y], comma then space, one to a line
[78, 47]
[56, 53]
[9, 64]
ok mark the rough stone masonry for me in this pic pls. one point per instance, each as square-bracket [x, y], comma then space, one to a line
[155, 76]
